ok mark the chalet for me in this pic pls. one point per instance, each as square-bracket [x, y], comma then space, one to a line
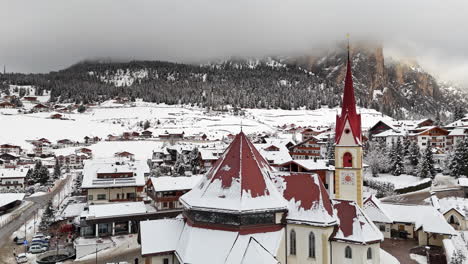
[13, 178]
[208, 156]
[166, 191]
[63, 143]
[309, 133]
[40, 108]
[170, 135]
[457, 135]
[307, 149]
[7, 105]
[114, 180]
[56, 116]
[127, 136]
[159, 157]
[73, 161]
[42, 148]
[9, 160]
[275, 152]
[454, 210]
[379, 127]
[425, 122]
[125, 155]
[113, 138]
[85, 151]
[321, 167]
[8, 148]
[390, 137]
[433, 136]
[147, 134]
[419, 222]
[30, 98]
[135, 134]
[91, 140]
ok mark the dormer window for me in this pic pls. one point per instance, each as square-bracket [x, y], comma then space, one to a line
[347, 131]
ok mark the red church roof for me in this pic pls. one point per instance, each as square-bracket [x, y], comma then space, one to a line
[308, 199]
[239, 181]
[348, 110]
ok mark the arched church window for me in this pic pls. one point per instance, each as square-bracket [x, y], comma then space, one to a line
[348, 252]
[369, 253]
[311, 245]
[292, 244]
[347, 160]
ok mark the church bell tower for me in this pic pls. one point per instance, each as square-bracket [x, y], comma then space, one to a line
[348, 146]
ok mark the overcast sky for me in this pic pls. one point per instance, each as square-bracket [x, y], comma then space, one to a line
[39, 36]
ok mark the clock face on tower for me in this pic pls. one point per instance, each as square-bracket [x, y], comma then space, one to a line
[348, 177]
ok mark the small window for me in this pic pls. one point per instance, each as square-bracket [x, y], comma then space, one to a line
[452, 220]
[101, 196]
[311, 245]
[292, 244]
[382, 228]
[348, 252]
[369, 253]
[166, 261]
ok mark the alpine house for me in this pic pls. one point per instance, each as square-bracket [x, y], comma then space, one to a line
[244, 212]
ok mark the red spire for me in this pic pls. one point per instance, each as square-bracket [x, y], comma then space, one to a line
[348, 109]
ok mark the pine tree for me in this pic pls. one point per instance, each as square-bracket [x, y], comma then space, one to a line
[458, 257]
[414, 153]
[396, 158]
[426, 164]
[146, 125]
[459, 164]
[330, 148]
[57, 170]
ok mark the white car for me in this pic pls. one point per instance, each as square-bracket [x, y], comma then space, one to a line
[41, 236]
[21, 258]
[37, 249]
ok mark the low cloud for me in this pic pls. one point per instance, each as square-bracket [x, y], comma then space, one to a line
[39, 36]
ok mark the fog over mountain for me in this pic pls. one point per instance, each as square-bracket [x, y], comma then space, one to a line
[39, 36]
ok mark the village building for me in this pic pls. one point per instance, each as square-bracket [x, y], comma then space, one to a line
[208, 156]
[12, 149]
[419, 222]
[114, 180]
[241, 212]
[9, 160]
[274, 151]
[390, 137]
[166, 190]
[65, 143]
[146, 134]
[40, 108]
[73, 161]
[7, 105]
[13, 178]
[172, 135]
[433, 136]
[457, 135]
[125, 155]
[454, 210]
[32, 99]
[91, 140]
[42, 148]
[56, 116]
[308, 149]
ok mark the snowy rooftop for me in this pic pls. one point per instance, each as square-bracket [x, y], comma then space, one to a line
[211, 153]
[239, 181]
[73, 210]
[463, 182]
[6, 198]
[114, 209]
[13, 173]
[374, 210]
[308, 199]
[277, 157]
[354, 225]
[389, 133]
[312, 165]
[192, 244]
[457, 203]
[92, 167]
[425, 217]
[168, 183]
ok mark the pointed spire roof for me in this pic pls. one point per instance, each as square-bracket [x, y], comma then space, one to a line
[239, 181]
[348, 109]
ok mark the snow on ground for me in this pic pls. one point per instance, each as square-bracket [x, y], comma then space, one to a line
[386, 258]
[419, 259]
[457, 243]
[110, 118]
[5, 218]
[38, 194]
[118, 246]
[399, 181]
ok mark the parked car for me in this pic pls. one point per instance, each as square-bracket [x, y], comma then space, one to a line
[38, 241]
[21, 258]
[37, 249]
[19, 240]
[41, 236]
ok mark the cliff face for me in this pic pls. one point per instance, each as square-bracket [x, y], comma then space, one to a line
[395, 88]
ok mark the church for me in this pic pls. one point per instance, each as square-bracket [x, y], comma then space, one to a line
[243, 211]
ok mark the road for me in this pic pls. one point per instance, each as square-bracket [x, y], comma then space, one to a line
[6, 245]
[420, 196]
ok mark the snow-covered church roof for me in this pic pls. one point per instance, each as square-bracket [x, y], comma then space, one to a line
[354, 226]
[308, 199]
[238, 182]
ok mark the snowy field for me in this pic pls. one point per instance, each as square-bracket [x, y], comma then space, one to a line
[399, 181]
[110, 118]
